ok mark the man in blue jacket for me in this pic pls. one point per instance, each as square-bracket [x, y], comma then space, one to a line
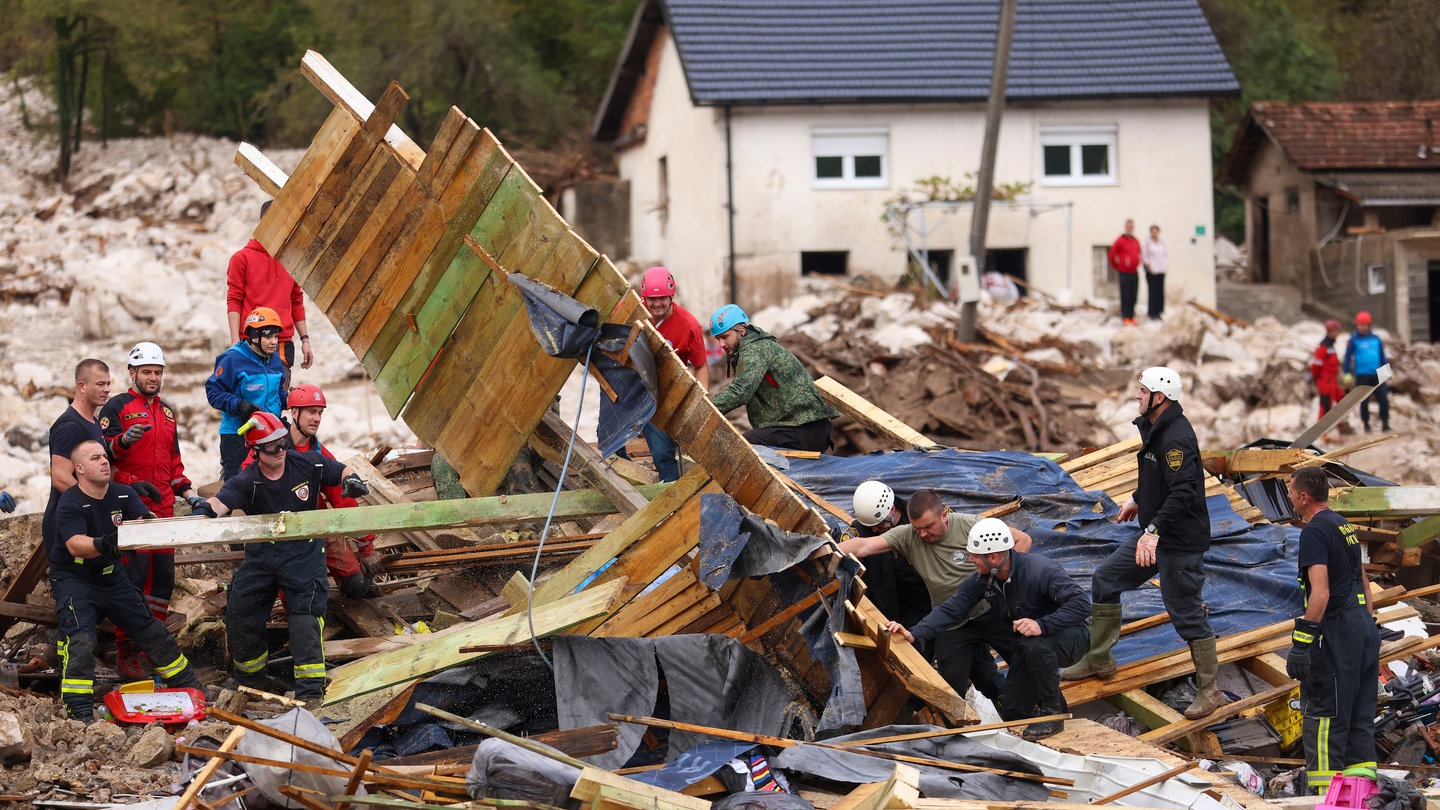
[249, 377]
[1363, 358]
[1046, 628]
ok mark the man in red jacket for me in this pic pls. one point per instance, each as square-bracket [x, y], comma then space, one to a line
[142, 435]
[1125, 261]
[255, 279]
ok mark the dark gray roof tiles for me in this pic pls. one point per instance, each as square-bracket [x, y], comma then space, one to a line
[797, 51]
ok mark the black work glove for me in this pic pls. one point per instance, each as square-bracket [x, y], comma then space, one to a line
[7, 502]
[133, 434]
[354, 486]
[245, 409]
[200, 506]
[1297, 663]
[108, 545]
[147, 490]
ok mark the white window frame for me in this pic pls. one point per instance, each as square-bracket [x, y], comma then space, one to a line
[846, 143]
[1076, 137]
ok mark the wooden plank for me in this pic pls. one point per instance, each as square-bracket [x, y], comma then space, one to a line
[1145, 783]
[1153, 714]
[344, 95]
[648, 612]
[586, 461]
[1178, 729]
[907, 664]
[192, 792]
[269, 177]
[362, 520]
[442, 650]
[279, 222]
[1125, 450]
[1387, 502]
[872, 417]
[620, 791]
[1419, 532]
[1253, 461]
[384, 185]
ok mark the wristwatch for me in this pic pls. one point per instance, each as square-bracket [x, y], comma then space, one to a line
[1151, 529]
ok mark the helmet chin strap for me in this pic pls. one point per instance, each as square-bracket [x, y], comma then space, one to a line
[255, 344]
[1150, 408]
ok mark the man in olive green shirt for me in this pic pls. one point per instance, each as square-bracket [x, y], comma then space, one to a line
[779, 396]
[934, 543]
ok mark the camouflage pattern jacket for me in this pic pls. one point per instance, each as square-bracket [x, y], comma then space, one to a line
[772, 383]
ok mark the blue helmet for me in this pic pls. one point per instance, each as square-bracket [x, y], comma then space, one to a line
[726, 318]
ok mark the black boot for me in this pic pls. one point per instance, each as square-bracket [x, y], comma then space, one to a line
[1049, 728]
[81, 708]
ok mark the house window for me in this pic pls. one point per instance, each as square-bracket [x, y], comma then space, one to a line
[851, 158]
[823, 262]
[1078, 156]
[1104, 276]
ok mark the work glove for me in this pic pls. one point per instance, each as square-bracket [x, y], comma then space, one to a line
[131, 436]
[108, 545]
[372, 563]
[1297, 663]
[147, 490]
[200, 506]
[354, 486]
[245, 409]
[7, 502]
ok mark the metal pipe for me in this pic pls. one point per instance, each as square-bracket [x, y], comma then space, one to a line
[730, 205]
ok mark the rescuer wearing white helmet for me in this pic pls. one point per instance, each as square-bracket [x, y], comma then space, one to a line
[1169, 502]
[891, 582]
[934, 543]
[1037, 622]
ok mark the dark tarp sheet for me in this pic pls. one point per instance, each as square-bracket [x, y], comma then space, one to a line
[935, 783]
[713, 681]
[565, 327]
[1250, 571]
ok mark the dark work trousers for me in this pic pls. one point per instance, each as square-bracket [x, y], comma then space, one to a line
[1032, 688]
[298, 568]
[962, 655]
[813, 436]
[894, 586]
[663, 452]
[1155, 294]
[1339, 695]
[232, 455]
[1381, 397]
[1182, 582]
[153, 572]
[1129, 289]
[287, 359]
[80, 603]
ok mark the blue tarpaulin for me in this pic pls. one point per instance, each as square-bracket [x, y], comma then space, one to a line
[1250, 571]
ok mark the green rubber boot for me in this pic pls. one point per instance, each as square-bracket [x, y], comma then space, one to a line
[1208, 696]
[1104, 632]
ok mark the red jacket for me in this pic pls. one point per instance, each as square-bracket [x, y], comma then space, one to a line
[155, 457]
[1325, 370]
[255, 279]
[1124, 254]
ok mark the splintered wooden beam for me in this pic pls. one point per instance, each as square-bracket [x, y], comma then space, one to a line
[333, 84]
[1387, 502]
[1341, 409]
[440, 651]
[1248, 462]
[874, 418]
[1421, 531]
[269, 177]
[602, 789]
[362, 520]
[585, 459]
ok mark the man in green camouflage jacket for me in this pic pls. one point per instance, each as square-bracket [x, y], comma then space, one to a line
[785, 409]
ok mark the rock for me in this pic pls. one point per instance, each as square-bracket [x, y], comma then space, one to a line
[104, 737]
[154, 747]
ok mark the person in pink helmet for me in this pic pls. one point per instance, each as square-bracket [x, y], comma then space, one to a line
[682, 332]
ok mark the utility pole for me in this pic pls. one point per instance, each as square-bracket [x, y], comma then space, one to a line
[969, 285]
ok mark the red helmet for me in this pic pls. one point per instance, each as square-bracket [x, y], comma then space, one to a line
[263, 320]
[306, 396]
[657, 283]
[263, 428]
[1362, 318]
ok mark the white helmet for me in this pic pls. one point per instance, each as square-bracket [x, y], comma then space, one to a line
[1162, 380]
[872, 502]
[988, 536]
[146, 354]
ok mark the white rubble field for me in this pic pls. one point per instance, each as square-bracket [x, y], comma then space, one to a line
[142, 237]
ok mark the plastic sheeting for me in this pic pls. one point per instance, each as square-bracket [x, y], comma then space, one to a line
[299, 723]
[1250, 570]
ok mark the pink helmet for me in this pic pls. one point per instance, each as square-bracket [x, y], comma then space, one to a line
[657, 283]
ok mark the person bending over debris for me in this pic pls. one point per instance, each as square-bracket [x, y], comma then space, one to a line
[1044, 628]
[1335, 652]
[935, 543]
[891, 582]
[249, 377]
[683, 333]
[143, 437]
[89, 582]
[280, 480]
[353, 575]
[785, 409]
[1169, 501]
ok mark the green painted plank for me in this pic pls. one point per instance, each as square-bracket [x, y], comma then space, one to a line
[1422, 531]
[1386, 501]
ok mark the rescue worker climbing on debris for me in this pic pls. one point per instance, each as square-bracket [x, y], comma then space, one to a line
[1336, 647]
[1169, 501]
[280, 480]
[891, 582]
[89, 583]
[248, 378]
[682, 332]
[1043, 626]
[352, 574]
[143, 437]
[935, 543]
[785, 409]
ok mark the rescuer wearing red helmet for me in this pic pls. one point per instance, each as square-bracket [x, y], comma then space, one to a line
[682, 332]
[280, 480]
[1364, 355]
[248, 377]
[143, 437]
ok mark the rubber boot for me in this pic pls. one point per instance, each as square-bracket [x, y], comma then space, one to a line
[1208, 696]
[1104, 632]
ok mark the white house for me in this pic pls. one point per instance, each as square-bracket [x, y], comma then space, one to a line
[811, 114]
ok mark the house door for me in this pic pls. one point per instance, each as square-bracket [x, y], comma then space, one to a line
[1432, 293]
[1260, 241]
[1011, 262]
